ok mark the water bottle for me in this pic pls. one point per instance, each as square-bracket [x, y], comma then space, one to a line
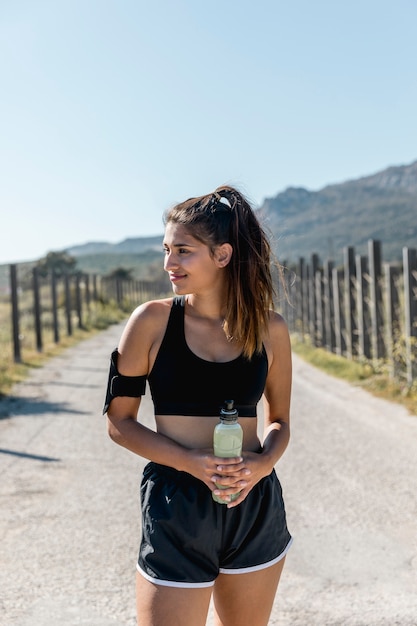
[227, 439]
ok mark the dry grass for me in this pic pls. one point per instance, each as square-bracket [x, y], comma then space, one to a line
[374, 377]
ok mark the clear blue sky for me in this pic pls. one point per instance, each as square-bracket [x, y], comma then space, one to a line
[113, 110]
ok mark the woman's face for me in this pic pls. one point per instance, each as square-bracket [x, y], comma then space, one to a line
[189, 263]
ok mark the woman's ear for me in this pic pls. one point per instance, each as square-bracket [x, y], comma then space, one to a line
[223, 254]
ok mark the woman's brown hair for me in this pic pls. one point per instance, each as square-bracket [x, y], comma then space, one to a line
[225, 216]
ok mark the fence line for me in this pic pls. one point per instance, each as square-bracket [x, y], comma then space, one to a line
[365, 309]
[58, 303]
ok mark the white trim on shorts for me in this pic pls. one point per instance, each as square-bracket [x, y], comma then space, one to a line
[256, 568]
[241, 570]
[173, 583]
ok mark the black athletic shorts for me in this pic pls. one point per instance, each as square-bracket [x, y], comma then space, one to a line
[188, 538]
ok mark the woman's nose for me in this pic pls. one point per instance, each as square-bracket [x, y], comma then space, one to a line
[170, 261]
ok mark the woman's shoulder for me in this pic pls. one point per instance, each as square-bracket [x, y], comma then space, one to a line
[151, 315]
[147, 321]
[142, 332]
[153, 308]
[277, 337]
[277, 323]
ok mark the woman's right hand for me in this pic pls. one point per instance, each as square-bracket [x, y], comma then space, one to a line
[202, 464]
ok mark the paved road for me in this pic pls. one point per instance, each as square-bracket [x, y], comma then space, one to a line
[69, 510]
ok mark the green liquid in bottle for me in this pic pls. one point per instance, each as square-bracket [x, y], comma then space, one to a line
[227, 441]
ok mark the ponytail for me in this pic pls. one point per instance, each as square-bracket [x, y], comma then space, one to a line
[250, 285]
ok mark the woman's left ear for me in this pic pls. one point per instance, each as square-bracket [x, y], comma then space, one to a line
[223, 254]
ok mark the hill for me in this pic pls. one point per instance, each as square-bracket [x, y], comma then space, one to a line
[133, 245]
[381, 206]
[143, 265]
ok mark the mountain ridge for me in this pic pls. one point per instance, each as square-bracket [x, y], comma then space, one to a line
[133, 245]
[380, 206]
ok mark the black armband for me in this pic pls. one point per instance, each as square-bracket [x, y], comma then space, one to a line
[119, 385]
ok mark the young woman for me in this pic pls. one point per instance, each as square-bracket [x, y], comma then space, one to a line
[217, 339]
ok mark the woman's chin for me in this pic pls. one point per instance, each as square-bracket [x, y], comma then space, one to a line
[178, 290]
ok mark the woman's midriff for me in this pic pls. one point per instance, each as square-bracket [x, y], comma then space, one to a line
[197, 432]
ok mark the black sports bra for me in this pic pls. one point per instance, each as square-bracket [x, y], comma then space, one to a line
[182, 383]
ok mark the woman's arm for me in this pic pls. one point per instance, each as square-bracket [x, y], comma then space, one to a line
[137, 349]
[277, 396]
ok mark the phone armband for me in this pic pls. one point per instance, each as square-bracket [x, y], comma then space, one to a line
[119, 385]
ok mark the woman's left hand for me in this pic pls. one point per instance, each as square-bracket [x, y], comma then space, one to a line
[242, 481]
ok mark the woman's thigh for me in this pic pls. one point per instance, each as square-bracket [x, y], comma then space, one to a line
[158, 605]
[246, 599]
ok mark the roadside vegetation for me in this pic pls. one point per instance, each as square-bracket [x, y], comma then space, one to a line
[372, 376]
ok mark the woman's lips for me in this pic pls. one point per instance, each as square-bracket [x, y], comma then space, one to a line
[176, 277]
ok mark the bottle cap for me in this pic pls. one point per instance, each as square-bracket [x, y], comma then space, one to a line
[228, 413]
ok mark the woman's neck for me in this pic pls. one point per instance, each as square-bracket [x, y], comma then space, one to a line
[209, 307]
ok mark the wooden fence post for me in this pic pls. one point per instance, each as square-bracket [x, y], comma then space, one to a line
[292, 297]
[410, 306]
[306, 298]
[15, 314]
[95, 288]
[282, 289]
[37, 309]
[329, 306]
[68, 304]
[119, 291]
[364, 346]
[320, 327]
[391, 275]
[87, 291]
[290, 304]
[78, 301]
[312, 312]
[349, 300]
[299, 312]
[55, 306]
[376, 303]
[338, 313]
